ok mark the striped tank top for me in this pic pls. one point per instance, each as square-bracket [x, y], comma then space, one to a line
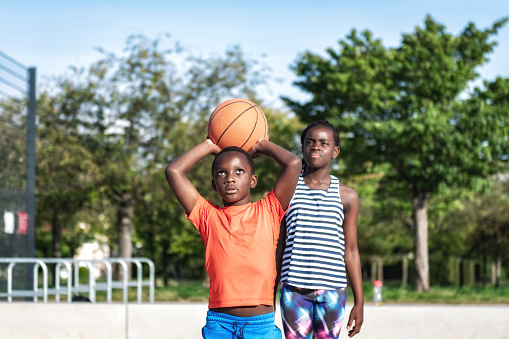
[315, 245]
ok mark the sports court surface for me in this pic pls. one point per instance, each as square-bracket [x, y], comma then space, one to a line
[184, 320]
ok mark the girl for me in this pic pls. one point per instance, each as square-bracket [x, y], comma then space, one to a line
[321, 245]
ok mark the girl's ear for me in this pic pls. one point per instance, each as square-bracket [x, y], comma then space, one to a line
[254, 181]
[214, 185]
[336, 152]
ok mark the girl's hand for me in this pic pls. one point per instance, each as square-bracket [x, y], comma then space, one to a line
[356, 319]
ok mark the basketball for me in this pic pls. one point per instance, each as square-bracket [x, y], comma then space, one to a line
[237, 122]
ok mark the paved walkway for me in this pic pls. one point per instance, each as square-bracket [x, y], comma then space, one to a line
[385, 321]
[184, 321]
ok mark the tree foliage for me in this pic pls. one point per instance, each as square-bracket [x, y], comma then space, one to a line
[404, 107]
[67, 174]
[129, 115]
[410, 126]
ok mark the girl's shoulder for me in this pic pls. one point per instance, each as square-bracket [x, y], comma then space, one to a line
[348, 194]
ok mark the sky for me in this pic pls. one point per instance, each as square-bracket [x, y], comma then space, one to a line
[54, 34]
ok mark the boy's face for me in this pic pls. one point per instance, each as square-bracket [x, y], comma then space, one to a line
[232, 179]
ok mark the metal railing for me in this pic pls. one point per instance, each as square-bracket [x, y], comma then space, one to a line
[73, 285]
[35, 293]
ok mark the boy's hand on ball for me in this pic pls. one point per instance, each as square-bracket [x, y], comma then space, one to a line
[254, 150]
[215, 149]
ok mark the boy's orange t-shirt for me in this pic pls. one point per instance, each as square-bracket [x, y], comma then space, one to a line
[241, 245]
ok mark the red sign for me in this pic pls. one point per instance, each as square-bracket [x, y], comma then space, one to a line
[22, 222]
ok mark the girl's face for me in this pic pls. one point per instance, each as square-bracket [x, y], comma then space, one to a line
[319, 148]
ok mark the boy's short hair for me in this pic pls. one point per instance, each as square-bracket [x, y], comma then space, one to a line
[235, 149]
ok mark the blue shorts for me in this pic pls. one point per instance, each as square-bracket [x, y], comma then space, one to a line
[220, 325]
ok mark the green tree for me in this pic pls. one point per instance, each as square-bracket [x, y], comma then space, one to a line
[66, 172]
[108, 131]
[484, 225]
[152, 105]
[403, 107]
[448, 239]
[384, 226]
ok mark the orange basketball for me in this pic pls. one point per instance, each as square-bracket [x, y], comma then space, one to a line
[237, 122]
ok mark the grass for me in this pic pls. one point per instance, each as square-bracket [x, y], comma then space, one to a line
[440, 295]
[197, 291]
[190, 291]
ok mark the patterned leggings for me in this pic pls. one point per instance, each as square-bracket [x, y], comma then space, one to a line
[307, 311]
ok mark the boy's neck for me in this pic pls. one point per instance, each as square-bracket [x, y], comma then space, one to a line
[236, 203]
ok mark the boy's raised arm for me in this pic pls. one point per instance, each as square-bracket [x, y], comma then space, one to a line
[176, 172]
[289, 176]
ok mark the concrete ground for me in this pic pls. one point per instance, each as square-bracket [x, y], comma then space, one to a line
[185, 320]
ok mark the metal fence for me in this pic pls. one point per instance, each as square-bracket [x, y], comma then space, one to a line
[17, 164]
[66, 280]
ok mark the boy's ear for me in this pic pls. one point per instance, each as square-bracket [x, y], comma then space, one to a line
[336, 152]
[254, 181]
[214, 185]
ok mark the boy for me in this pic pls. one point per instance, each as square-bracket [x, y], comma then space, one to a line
[241, 237]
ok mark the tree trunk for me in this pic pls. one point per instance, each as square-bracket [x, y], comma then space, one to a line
[498, 271]
[166, 262]
[373, 270]
[404, 278]
[420, 213]
[125, 221]
[493, 274]
[57, 234]
[499, 258]
[151, 246]
[380, 269]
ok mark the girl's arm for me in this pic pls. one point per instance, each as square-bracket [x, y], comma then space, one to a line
[352, 258]
[175, 173]
[280, 250]
[289, 176]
